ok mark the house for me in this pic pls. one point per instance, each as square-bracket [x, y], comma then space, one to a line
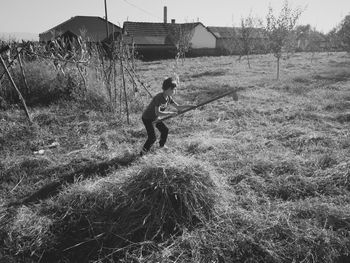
[92, 28]
[154, 40]
[229, 39]
[151, 40]
[309, 39]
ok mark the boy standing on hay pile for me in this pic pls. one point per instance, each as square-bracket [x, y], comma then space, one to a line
[156, 109]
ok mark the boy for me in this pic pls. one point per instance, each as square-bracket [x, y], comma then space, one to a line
[156, 109]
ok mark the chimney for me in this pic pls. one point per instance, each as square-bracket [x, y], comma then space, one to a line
[165, 15]
[173, 21]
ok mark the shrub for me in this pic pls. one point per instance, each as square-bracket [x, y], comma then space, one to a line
[47, 86]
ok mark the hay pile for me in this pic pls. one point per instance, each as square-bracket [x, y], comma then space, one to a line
[157, 199]
[165, 196]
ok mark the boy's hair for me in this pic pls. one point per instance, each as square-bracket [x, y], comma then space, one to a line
[169, 83]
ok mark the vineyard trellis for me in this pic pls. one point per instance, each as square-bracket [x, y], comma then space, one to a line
[113, 62]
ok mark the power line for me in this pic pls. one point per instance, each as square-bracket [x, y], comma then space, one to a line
[141, 9]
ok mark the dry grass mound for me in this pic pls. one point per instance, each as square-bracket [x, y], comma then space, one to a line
[168, 194]
[155, 200]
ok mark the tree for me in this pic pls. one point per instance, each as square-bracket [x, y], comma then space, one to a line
[332, 40]
[310, 40]
[181, 35]
[344, 33]
[248, 35]
[302, 35]
[278, 30]
[316, 40]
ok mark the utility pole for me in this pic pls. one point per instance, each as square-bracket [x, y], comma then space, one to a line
[107, 31]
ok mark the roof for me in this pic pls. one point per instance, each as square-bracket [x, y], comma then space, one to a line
[92, 25]
[223, 32]
[82, 18]
[145, 33]
[232, 32]
[146, 29]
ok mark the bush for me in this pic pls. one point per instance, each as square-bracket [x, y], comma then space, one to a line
[47, 86]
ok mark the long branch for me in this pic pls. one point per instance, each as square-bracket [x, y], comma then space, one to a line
[196, 106]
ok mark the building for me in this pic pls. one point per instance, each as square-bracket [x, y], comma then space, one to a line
[150, 40]
[229, 39]
[158, 39]
[91, 28]
[153, 40]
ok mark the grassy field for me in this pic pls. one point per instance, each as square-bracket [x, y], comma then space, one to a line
[265, 178]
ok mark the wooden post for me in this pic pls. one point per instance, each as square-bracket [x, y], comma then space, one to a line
[23, 74]
[115, 94]
[133, 54]
[18, 92]
[83, 78]
[123, 77]
[107, 30]
[142, 84]
[14, 58]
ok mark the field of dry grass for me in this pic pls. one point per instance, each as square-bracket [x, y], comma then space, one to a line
[262, 179]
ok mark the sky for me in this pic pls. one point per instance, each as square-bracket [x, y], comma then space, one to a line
[37, 16]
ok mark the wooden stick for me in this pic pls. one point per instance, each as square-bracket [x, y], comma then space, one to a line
[18, 92]
[23, 74]
[138, 79]
[14, 58]
[199, 105]
[10, 64]
[123, 78]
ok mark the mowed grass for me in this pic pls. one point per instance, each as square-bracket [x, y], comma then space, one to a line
[265, 178]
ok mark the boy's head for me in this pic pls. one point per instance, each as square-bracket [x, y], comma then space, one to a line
[169, 83]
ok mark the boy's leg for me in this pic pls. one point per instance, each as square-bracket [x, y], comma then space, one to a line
[150, 133]
[163, 133]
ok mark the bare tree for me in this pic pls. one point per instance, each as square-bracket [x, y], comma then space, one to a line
[248, 35]
[344, 33]
[279, 28]
[181, 35]
[302, 34]
[332, 40]
[315, 42]
[309, 40]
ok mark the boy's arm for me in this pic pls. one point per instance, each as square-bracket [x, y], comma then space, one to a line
[160, 113]
[180, 107]
[183, 107]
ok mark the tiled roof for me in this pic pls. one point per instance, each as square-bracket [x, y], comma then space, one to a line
[87, 20]
[231, 32]
[145, 33]
[146, 29]
[223, 32]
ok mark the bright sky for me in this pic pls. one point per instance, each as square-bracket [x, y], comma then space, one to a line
[36, 16]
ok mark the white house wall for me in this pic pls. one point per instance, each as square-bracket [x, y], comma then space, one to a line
[202, 38]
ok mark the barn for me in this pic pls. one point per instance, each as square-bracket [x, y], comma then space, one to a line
[91, 28]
